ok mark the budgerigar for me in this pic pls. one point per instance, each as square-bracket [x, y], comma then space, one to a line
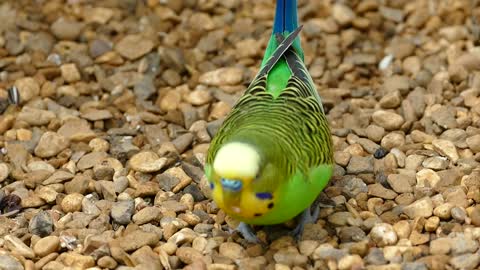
[273, 156]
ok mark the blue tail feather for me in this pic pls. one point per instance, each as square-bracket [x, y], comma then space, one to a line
[286, 19]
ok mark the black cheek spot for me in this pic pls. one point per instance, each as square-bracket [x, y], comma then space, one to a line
[212, 185]
[270, 205]
[257, 215]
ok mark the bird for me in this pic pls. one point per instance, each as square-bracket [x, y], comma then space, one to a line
[273, 154]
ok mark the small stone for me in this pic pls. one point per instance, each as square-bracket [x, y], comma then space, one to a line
[458, 213]
[402, 228]
[375, 133]
[8, 262]
[122, 211]
[340, 218]
[393, 140]
[16, 245]
[473, 143]
[360, 165]
[28, 88]
[466, 261]
[420, 208]
[432, 223]
[107, 262]
[443, 211]
[74, 259]
[36, 117]
[342, 14]
[222, 76]
[446, 148]
[326, 251]
[475, 216]
[50, 144]
[232, 250]
[66, 29]
[41, 224]
[4, 171]
[188, 255]
[380, 153]
[72, 203]
[147, 162]
[387, 120]
[400, 183]
[70, 73]
[134, 46]
[350, 262]
[137, 239]
[199, 97]
[427, 178]
[383, 234]
[391, 100]
[46, 245]
[377, 190]
[146, 215]
[435, 163]
[96, 115]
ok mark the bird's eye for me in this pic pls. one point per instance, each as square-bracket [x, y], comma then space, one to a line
[264, 195]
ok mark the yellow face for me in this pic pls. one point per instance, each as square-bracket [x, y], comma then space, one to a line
[235, 167]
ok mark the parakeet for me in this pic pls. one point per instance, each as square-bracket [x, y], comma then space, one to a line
[273, 156]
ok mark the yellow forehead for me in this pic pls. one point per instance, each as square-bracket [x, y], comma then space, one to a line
[237, 161]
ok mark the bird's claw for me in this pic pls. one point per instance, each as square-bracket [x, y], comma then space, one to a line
[305, 218]
[248, 234]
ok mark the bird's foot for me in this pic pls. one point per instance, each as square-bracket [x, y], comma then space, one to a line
[305, 218]
[248, 234]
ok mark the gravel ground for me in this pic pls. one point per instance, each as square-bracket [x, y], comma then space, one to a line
[101, 162]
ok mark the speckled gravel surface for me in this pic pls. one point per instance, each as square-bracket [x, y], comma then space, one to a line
[101, 162]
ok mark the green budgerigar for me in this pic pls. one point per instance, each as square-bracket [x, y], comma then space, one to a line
[273, 156]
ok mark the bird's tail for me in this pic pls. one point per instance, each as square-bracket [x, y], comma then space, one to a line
[286, 18]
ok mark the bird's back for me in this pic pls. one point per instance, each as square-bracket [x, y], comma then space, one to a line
[291, 126]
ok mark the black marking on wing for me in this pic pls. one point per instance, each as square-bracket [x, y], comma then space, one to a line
[278, 53]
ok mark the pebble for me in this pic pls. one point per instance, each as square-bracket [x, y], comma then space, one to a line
[446, 148]
[28, 88]
[232, 250]
[137, 239]
[41, 224]
[420, 208]
[465, 261]
[222, 76]
[8, 262]
[46, 245]
[66, 29]
[400, 183]
[427, 178]
[70, 73]
[388, 120]
[4, 171]
[16, 245]
[72, 203]
[147, 215]
[342, 14]
[122, 211]
[383, 234]
[50, 144]
[134, 46]
[377, 190]
[147, 162]
[360, 165]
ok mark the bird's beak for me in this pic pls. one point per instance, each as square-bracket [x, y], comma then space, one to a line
[232, 200]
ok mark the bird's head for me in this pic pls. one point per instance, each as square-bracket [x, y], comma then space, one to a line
[238, 181]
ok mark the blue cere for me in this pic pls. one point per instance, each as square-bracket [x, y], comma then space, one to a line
[264, 195]
[233, 185]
